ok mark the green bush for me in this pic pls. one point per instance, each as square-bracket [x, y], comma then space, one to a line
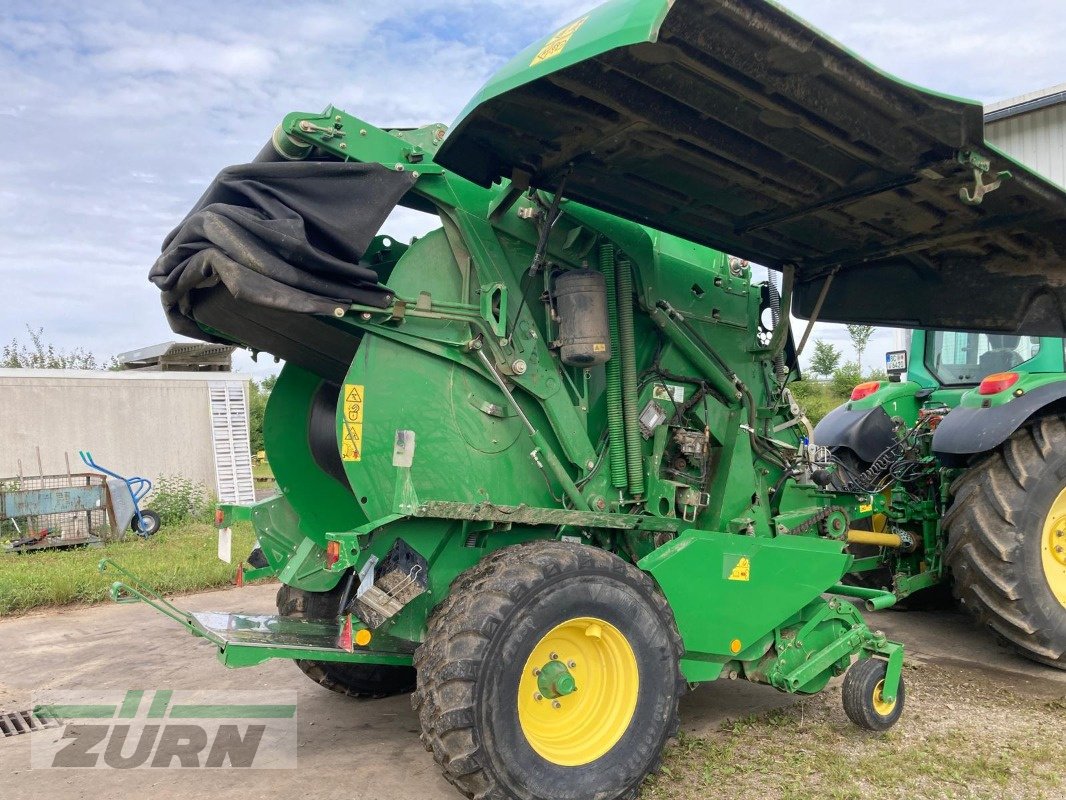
[179, 500]
[815, 398]
[845, 378]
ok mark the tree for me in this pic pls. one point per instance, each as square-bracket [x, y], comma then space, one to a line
[860, 338]
[40, 354]
[826, 358]
[258, 394]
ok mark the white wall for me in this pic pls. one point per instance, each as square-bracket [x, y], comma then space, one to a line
[149, 424]
[1037, 139]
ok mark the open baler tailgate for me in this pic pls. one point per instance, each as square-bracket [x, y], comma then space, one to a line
[734, 124]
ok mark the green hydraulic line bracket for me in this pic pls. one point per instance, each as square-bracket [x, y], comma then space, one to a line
[875, 599]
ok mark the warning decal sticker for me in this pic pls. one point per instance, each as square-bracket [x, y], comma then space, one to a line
[737, 568]
[352, 438]
[557, 43]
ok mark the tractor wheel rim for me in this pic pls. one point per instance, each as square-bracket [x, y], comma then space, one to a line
[881, 706]
[1053, 548]
[581, 713]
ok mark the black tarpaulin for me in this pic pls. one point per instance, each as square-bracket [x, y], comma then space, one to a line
[281, 236]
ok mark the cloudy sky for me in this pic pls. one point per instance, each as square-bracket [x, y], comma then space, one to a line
[115, 115]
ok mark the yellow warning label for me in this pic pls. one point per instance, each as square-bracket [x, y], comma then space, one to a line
[557, 43]
[353, 402]
[352, 441]
[742, 571]
[864, 507]
[599, 347]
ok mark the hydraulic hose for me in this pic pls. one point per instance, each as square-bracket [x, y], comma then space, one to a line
[613, 368]
[630, 412]
[780, 371]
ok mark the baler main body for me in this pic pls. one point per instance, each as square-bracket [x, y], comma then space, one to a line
[546, 453]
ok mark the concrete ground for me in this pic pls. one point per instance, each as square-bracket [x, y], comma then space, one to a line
[369, 749]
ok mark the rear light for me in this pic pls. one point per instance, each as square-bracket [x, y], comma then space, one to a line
[333, 554]
[865, 389]
[997, 382]
[344, 640]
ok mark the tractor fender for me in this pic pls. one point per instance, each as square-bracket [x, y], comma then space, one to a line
[966, 431]
[867, 432]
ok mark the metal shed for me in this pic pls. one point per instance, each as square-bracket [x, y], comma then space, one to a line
[1032, 129]
[182, 424]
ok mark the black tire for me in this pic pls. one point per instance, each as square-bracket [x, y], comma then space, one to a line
[148, 525]
[994, 528]
[474, 656]
[361, 681]
[862, 693]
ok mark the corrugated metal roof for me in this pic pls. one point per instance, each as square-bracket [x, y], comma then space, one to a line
[1023, 104]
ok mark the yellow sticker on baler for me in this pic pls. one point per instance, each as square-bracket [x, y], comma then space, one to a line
[352, 442]
[353, 402]
[741, 570]
[352, 438]
[557, 43]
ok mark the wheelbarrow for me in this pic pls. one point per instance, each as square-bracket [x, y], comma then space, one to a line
[127, 504]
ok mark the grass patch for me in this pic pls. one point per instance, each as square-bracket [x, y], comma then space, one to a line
[180, 558]
[958, 741]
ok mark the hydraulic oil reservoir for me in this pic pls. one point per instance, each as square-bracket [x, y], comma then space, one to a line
[581, 303]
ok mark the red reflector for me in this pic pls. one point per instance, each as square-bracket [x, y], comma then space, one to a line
[997, 382]
[240, 575]
[333, 553]
[865, 389]
[344, 641]
[219, 517]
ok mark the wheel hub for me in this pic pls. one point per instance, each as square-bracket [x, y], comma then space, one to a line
[881, 706]
[555, 680]
[578, 691]
[1053, 548]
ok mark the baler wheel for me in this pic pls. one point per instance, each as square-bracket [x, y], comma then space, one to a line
[551, 671]
[1007, 518]
[362, 681]
[862, 696]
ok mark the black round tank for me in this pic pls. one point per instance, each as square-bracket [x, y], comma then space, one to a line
[581, 303]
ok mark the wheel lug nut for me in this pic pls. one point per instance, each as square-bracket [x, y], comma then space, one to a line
[537, 696]
[556, 704]
[571, 663]
[554, 656]
[536, 671]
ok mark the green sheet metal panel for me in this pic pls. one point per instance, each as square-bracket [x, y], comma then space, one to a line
[727, 592]
[734, 124]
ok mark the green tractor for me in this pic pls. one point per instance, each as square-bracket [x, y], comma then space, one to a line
[542, 465]
[970, 454]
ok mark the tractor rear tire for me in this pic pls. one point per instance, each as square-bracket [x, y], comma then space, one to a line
[996, 528]
[498, 731]
[361, 681]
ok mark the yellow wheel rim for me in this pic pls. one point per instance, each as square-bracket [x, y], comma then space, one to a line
[880, 706]
[1053, 548]
[585, 709]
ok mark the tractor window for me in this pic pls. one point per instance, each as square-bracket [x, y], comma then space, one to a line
[958, 358]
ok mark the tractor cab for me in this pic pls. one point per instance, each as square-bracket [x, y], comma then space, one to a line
[997, 380]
